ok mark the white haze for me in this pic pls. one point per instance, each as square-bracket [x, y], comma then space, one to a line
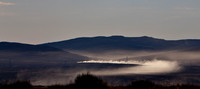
[148, 67]
[115, 54]
[62, 76]
[182, 57]
[110, 62]
[162, 62]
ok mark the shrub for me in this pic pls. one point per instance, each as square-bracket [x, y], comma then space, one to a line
[88, 81]
[142, 84]
[18, 85]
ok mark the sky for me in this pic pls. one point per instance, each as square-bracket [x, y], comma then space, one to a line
[40, 21]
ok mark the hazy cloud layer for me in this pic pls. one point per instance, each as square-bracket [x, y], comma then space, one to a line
[6, 3]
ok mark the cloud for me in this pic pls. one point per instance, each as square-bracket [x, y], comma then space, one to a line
[185, 8]
[6, 3]
[6, 14]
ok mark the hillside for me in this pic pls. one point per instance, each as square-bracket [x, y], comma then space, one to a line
[145, 43]
[11, 46]
[19, 54]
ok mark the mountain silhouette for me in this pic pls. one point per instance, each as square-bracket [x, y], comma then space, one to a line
[19, 54]
[144, 43]
[11, 46]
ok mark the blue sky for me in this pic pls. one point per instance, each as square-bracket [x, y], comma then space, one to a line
[39, 21]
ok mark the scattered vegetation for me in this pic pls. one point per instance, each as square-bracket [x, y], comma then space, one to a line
[88, 81]
[17, 85]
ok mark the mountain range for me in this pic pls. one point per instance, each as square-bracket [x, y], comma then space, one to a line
[27, 61]
[60, 52]
[21, 55]
[144, 43]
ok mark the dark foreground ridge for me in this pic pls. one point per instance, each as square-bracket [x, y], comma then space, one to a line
[88, 81]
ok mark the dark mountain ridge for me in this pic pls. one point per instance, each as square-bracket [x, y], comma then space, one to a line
[102, 43]
[26, 55]
[13, 46]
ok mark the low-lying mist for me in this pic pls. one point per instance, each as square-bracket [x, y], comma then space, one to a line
[148, 67]
[65, 76]
[182, 57]
[113, 63]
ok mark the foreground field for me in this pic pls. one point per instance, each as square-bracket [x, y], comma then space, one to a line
[88, 81]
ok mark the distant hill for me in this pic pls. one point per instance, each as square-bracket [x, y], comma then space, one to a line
[144, 43]
[19, 54]
[11, 46]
